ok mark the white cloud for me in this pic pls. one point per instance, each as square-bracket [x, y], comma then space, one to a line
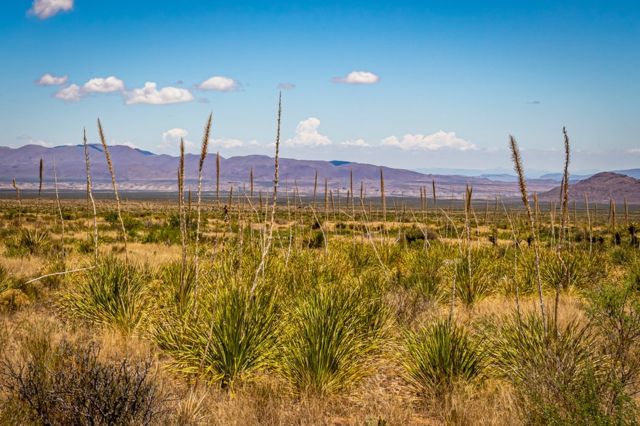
[71, 93]
[433, 142]
[103, 85]
[228, 143]
[44, 9]
[307, 134]
[28, 140]
[150, 94]
[52, 80]
[171, 139]
[125, 143]
[358, 77]
[219, 84]
[634, 151]
[357, 143]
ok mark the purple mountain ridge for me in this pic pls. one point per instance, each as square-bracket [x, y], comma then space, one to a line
[139, 170]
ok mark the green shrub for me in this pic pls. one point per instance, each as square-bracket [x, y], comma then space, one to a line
[421, 271]
[112, 294]
[233, 335]
[333, 335]
[558, 375]
[439, 356]
[615, 311]
[474, 280]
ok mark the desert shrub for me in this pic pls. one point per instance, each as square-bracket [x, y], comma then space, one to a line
[53, 281]
[131, 224]
[413, 236]
[176, 292]
[34, 241]
[634, 275]
[14, 294]
[29, 242]
[333, 335]
[568, 269]
[233, 335]
[13, 299]
[621, 255]
[66, 383]
[615, 311]
[163, 234]
[86, 246]
[316, 240]
[309, 268]
[421, 271]
[474, 279]
[557, 374]
[439, 356]
[113, 294]
[5, 279]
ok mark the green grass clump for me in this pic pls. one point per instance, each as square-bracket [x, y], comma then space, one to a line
[474, 279]
[113, 294]
[334, 334]
[560, 375]
[440, 356]
[233, 335]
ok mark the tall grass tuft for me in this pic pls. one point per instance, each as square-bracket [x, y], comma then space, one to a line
[440, 356]
[334, 336]
[559, 377]
[234, 336]
[114, 294]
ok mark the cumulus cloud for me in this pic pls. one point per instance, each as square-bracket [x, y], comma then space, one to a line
[358, 77]
[29, 140]
[307, 134]
[150, 94]
[634, 151]
[219, 84]
[103, 85]
[52, 80]
[72, 93]
[171, 139]
[44, 9]
[357, 143]
[433, 142]
[286, 86]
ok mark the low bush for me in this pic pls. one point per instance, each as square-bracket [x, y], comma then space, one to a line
[66, 383]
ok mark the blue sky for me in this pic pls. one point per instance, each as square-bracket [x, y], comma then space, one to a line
[415, 84]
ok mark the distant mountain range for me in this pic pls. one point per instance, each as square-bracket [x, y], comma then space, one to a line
[601, 187]
[139, 170]
[506, 175]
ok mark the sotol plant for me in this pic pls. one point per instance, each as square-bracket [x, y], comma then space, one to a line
[113, 294]
[234, 335]
[439, 356]
[335, 334]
